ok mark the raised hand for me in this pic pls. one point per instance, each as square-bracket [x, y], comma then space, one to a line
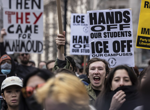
[60, 40]
[3, 33]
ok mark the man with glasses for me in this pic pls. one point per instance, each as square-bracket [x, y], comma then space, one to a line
[21, 70]
[24, 58]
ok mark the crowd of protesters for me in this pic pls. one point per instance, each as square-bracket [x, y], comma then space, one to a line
[57, 85]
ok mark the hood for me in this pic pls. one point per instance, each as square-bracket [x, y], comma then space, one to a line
[13, 68]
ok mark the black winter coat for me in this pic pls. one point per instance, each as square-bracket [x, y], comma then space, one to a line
[132, 99]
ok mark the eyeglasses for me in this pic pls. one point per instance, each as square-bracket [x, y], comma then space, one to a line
[28, 91]
[24, 54]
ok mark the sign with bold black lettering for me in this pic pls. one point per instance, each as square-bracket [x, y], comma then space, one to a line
[79, 43]
[23, 21]
[111, 36]
[143, 34]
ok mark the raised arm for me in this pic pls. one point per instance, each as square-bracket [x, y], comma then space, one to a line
[2, 49]
[61, 61]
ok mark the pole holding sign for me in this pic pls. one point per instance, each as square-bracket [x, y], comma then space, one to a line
[143, 34]
[60, 22]
[84, 68]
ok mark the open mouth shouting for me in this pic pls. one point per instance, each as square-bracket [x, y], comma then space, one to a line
[96, 79]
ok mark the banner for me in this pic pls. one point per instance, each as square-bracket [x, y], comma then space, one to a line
[111, 36]
[79, 43]
[143, 34]
[23, 21]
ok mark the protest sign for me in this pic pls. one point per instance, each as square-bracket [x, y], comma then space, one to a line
[143, 34]
[79, 43]
[23, 21]
[111, 36]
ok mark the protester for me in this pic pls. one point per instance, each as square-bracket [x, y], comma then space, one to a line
[62, 61]
[120, 90]
[42, 65]
[11, 88]
[63, 92]
[143, 75]
[50, 65]
[20, 70]
[7, 66]
[34, 80]
[97, 70]
[145, 92]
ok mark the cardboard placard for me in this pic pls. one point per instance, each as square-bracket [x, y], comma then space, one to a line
[111, 36]
[23, 21]
[143, 34]
[79, 43]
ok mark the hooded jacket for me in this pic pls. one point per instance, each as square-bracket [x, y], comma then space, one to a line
[13, 67]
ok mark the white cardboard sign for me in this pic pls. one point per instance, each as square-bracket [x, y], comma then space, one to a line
[111, 36]
[79, 42]
[23, 22]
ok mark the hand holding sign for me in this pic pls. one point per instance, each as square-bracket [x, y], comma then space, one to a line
[60, 40]
[3, 33]
[60, 21]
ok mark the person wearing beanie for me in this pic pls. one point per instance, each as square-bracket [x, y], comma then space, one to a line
[7, 65]
[10, 91]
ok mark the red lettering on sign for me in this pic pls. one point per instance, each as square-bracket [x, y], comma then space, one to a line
[9, 13]
[37, 17]
[19, 18]
[27, 18]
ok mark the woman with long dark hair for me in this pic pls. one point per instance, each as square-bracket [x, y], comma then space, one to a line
[120, 90]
